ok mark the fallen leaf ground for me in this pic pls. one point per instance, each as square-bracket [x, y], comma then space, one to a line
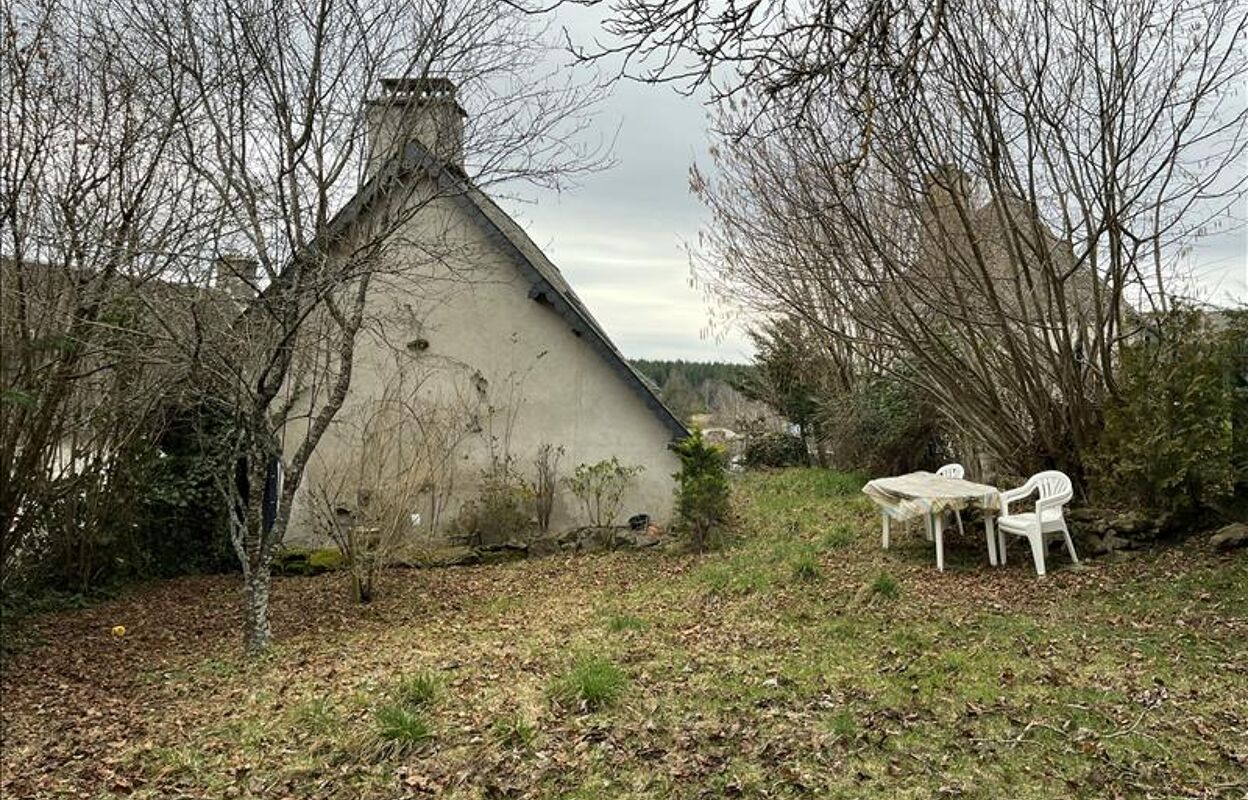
[800, 662]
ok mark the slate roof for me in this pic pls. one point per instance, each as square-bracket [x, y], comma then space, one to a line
[547, 284]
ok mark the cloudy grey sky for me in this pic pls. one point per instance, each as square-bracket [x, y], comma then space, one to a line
[620, 235]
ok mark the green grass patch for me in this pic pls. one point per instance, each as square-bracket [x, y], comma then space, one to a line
[885, 586]
[739, 574]
[594, 681]
[417, 690]
[804, 566]
[838, 537]
[316, 716]
[619, 623]
[401, 729]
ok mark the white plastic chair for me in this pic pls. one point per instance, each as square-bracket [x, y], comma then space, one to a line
[1054, 492]
[955, 471]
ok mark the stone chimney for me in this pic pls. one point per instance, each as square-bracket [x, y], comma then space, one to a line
[414, 108]
[237, 275]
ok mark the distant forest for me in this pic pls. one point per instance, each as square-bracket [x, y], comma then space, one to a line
[694, 371]
[703, 388]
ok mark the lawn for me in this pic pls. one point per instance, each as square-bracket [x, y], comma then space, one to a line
[800, 662]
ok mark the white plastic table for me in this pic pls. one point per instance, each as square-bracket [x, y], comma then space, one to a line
[927, 495]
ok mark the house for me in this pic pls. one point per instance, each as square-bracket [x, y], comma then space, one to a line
[477, 356]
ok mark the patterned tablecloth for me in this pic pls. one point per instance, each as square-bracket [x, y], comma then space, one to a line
[917, 494]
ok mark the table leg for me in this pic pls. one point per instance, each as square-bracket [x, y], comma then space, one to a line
[939, 525]
[990, 532]
[886, 531]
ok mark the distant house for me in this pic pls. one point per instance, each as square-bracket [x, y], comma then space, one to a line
[477, 352]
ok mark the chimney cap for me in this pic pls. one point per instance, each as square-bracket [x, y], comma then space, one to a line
[419, 90]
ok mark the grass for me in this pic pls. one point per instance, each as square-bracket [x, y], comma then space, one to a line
[417, 690]
[515, 731]
[804, 566]
[594, 681]
[885, 585]
[400, 728]
[316, 716]
[620, 623]
[802, 662]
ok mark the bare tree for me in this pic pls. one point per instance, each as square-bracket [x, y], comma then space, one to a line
[279, 141]
[772, 52]
[997, 221]
[93, 213]
[181, 145]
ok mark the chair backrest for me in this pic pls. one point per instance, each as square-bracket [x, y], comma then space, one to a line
[1052, 485]
[951, 471]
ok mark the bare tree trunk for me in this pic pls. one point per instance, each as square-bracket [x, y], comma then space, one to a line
[256, 633]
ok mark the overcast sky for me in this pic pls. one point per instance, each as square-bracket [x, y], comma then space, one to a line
[620, 236]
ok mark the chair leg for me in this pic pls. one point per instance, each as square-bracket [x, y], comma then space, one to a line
[886, 530]
[1070, 545]
[1000, 547]
[1037, 551]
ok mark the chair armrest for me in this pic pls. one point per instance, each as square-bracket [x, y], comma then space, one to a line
[1051, 502]
[1010, 495]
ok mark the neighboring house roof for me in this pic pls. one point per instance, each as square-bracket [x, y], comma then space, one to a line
[547, 284]
[1011, 238]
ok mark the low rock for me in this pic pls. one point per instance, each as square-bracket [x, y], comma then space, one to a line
[454, 556]
[1230, 537]
[1133, 524]
[1093, 544]
[1082, 514]
[502, 552]
[544, 546]
[1113, 542]
[638, 540]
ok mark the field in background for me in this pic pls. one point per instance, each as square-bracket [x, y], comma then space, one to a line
[802, 661]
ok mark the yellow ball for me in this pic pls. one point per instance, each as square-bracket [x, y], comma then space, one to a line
[119, 630]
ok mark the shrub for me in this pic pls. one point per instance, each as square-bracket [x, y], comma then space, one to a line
[886, 426]
[594, 682]
[500, 511]
[702, 488]
[1174, 439]
[600, 488]
[149, 508]
[773, 450]
[546, 478]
